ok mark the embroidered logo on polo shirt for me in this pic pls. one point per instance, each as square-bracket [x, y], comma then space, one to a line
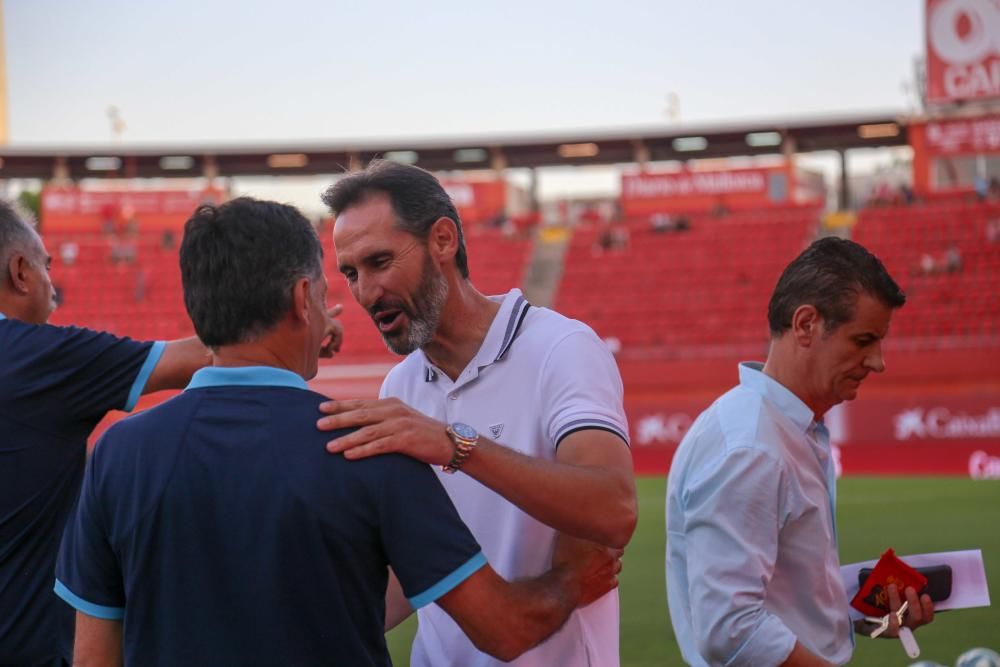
[496, 430]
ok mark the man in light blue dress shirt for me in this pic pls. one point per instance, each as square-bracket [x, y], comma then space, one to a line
[753, 574]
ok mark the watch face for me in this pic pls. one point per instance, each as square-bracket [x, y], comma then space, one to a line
[464, 431]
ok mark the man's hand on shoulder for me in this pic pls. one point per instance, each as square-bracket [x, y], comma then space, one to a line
[385, 426]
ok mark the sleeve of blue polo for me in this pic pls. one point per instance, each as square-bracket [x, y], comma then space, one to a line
[88, 574]
[107, 372]
[431, 551]
[581, 388]
[732, 512]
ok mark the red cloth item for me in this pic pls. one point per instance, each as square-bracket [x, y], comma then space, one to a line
[873, 597]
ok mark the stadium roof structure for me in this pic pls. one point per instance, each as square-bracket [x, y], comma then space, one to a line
[551, 149]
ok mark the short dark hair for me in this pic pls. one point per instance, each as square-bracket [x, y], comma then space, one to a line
[239, 264]
[416, 195]
[16, 233]
[830, 274]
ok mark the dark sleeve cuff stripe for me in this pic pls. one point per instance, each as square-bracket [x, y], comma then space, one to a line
[614, 430]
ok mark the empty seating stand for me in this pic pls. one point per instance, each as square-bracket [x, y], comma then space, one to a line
[945, 309]
[684, 294]
[143, 299]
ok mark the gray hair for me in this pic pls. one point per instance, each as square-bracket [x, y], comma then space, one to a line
[17, 235]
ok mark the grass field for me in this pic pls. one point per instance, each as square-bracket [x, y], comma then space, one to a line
[910, 515]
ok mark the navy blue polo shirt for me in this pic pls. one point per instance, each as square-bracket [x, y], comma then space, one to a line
[217, 526]
[56, 383]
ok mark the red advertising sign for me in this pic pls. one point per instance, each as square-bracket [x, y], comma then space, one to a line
[963, 50]
[925, 433]
[58, 201]
[963, 136]
[75, 209]
[923, 418]
[690, 191]
[685, 183]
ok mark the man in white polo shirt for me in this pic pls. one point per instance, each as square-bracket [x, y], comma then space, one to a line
[526, 403]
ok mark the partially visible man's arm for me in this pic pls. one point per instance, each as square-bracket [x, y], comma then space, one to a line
[183, 357]
[588, 492]
[732, 515]
[180, 359]
[397, 607]
[98, 642]
[506, 619]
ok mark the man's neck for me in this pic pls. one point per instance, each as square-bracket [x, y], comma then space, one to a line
[465, 321]
[790, 373]
[257, 353]
[10, 308]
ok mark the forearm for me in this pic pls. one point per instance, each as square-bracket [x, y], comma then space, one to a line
[98, 642]
[523, 616]
[586, 501]
[181, 358]
[397, 607]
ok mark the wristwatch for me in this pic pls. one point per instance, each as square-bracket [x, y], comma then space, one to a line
[465, 438]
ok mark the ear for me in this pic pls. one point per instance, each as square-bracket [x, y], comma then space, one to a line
[17, 269]
[807, 324]
[442, 241]
[301, 296]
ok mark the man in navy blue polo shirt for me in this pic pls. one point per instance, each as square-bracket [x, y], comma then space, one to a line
[56, 383]
[215, 530]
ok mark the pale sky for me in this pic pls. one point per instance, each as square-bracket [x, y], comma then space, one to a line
[184, 72]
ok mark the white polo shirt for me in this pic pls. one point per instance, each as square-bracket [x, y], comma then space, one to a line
[537, 377]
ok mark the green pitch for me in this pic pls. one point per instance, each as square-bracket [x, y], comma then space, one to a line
[909, 514]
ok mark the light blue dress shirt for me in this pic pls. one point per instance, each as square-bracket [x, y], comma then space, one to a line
[752, 562]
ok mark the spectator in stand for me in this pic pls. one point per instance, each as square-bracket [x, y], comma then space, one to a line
[928, 265]
[68, 252]
[614, 236]
[56, 384]
[993, 230]
[661, 223]
[906, 194]
[721, 209]
[952, 259]
[982, 187]
[993, 192]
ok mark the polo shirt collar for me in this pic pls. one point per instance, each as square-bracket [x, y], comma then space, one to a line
[500, 336]
[245, 376]
[752, 376]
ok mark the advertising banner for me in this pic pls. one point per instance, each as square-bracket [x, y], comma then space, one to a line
[925, 433]
[691, 191]
[963, 50]
[82, 210]
[963, 136]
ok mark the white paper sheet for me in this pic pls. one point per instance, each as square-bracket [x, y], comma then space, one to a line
[968, 578]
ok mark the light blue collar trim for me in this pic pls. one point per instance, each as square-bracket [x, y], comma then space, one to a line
[2, 316]
[752, 376]
[246, 376]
